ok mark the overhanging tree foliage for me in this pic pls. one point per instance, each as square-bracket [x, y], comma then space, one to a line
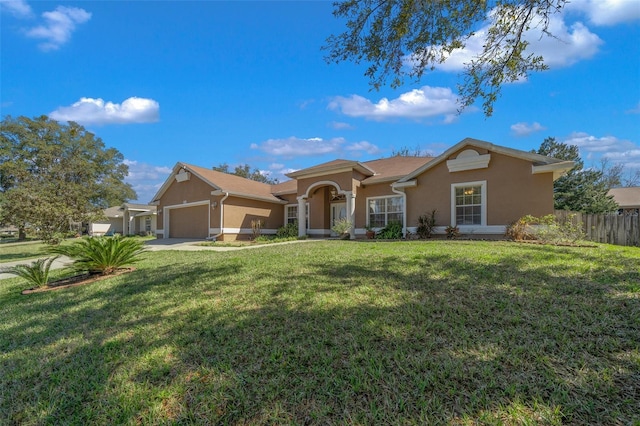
[400, 38]
[579, 190]
[53, 174]
[245, 171]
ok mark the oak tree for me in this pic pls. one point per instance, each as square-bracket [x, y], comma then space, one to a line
[247, 172]
[54, 174]
[405, 38]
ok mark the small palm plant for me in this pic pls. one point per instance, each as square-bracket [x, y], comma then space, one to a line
[37, 273]
[102, 255]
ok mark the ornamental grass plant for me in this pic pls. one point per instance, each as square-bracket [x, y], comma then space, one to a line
[102, 255]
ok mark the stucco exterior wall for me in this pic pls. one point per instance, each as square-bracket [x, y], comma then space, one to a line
[239, 212]
[512, 191]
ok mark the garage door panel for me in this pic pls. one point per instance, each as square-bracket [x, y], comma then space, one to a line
[189, 222]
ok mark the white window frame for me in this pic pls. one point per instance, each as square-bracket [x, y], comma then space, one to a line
[386, 213]
[483, 206]
[286, 214]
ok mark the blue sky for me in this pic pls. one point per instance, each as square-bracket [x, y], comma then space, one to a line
[246, 82]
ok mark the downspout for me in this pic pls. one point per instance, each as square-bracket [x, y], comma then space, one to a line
[226, 194]
[404, 208]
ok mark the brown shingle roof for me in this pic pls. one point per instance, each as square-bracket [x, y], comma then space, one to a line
[393, 168]
[233, 184]
[626, 197]
[331, 166]
[287, 187]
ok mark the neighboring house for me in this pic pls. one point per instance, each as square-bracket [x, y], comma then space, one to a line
[127, 219]
[476, 185]
[628, 199]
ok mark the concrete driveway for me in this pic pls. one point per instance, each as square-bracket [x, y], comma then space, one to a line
[59, 263]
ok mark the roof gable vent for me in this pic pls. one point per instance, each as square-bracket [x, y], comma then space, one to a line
[469, 159]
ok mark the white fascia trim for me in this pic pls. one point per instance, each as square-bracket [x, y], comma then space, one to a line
[325, 172]
[469, 163]
[248, 196]
[558, 169]
[407, 184]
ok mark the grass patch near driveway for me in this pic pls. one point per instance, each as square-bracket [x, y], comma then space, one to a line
[333, 332]
[22, 251]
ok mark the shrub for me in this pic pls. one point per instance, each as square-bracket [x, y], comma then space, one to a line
[36, 274]
[393, 231]
[103, 255]
[341, 226]
[546, 229]
[256, 228]
[426, 223]
[452, 232]
[290, 230]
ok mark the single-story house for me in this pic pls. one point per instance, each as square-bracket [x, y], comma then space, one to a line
[127, 219]
[628, 199]
[476, 185]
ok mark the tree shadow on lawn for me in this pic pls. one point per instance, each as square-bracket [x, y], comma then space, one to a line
[75, 365]
[448, 342]
[423, 338]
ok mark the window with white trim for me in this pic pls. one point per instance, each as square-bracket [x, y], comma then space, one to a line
[384, 210]
[469, 203]
[291, 214]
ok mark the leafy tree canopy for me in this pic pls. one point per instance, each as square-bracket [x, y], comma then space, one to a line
[52, 174]
[579, 190]
[400, 38]
[245, 171]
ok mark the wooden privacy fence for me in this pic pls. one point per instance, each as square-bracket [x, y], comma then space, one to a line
[621, 230]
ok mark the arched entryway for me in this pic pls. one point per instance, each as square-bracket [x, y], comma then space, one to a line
[337, 204]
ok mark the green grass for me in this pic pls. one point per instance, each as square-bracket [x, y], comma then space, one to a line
[331, 333]
[19, 251]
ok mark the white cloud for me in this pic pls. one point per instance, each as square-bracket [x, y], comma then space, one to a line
[338, 125]
[276, 166]
[418, 103]
[525, 129]
[365, 146]
[97, 111]
[607, 12]
[18, 8]
[592, 148]
[293, 146]
[567, 46]
[634, 110]
[146, 179]
[58, 26]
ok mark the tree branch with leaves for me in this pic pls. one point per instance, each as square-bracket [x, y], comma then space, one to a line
[406, 38]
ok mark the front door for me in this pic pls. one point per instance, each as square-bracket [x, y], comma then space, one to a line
[338, 211]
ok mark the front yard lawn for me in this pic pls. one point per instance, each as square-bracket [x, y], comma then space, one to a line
[22, 251]
[333, 332]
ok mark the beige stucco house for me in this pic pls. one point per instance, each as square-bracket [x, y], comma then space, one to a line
[476, 185]
[127, 219]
